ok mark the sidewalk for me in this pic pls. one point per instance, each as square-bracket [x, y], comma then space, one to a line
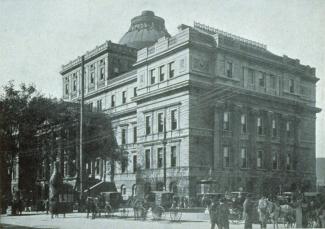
[79, 221]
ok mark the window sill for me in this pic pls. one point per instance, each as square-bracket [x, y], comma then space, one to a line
[261, 169]
[290, 93]
[233, 78]
[245, 169]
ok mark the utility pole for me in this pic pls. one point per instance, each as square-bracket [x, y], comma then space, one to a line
[81, 128]
[165, 143]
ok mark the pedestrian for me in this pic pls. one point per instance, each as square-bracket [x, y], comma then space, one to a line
[213, 212]
[248, 212]
[223, 214]
[262, 211]
[275, 214]
[47, 206]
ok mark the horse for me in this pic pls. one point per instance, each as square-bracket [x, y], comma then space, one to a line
[274, 210]
[57, 208]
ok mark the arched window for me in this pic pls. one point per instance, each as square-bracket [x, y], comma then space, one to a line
[134, 190]
[123, 189]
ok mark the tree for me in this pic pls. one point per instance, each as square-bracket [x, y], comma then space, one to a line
[14, 127]
[24, 113]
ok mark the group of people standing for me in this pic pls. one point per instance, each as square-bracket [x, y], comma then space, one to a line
[219, 212]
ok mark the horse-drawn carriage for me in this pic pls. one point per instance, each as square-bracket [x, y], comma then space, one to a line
[158, 203]
[108, 203]
[161, 202]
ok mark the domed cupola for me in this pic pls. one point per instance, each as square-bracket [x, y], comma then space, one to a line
[144, 31]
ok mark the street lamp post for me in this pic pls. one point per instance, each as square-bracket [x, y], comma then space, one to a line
[81, 127]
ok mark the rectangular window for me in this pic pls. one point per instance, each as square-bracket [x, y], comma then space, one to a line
[259, 161]
[261, 80]
[75, 85]
[123, 136]
[135, 163]
[251, 76]
[88, 168]
[288, 129]
[243, 155]
[102, 73]
[153, 76]
[229, 67]
[226, 116]
[92, 77]
[99, 105]
[134, 91]
[91, 106]
[67, 89]
[273, 82]
[291, 86]
[148, 125]
[174, 119]
[147, 158]
[274, 128]
[97, 166]
[159, 157]
[123, 166]
[65, 170]
[113, 101]
[135, 134]
[124, 97]
[173, 156]
[226, 157]
[160, 122]
[260, 128]
[162, 73]
[243, 120]
[288, 161]
[171, 69]
[275, 160]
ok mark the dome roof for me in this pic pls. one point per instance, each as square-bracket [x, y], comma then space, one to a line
[144, 31]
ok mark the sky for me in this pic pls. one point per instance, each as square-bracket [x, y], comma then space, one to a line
[38, 36]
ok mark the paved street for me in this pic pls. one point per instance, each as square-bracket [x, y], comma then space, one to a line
[79, 221]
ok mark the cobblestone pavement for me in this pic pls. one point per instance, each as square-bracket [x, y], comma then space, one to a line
[80, 221]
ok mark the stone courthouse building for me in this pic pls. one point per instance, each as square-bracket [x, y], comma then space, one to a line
[226, 109]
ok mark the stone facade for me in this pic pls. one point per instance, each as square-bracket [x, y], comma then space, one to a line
[232, 111]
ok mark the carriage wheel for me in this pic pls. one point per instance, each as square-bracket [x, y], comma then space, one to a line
[175, 215]
[124, 212]
[158, 212]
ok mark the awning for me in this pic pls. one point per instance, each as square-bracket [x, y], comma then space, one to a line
[101, 186]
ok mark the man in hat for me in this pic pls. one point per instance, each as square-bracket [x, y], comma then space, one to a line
[248, 212]
[213, 212]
